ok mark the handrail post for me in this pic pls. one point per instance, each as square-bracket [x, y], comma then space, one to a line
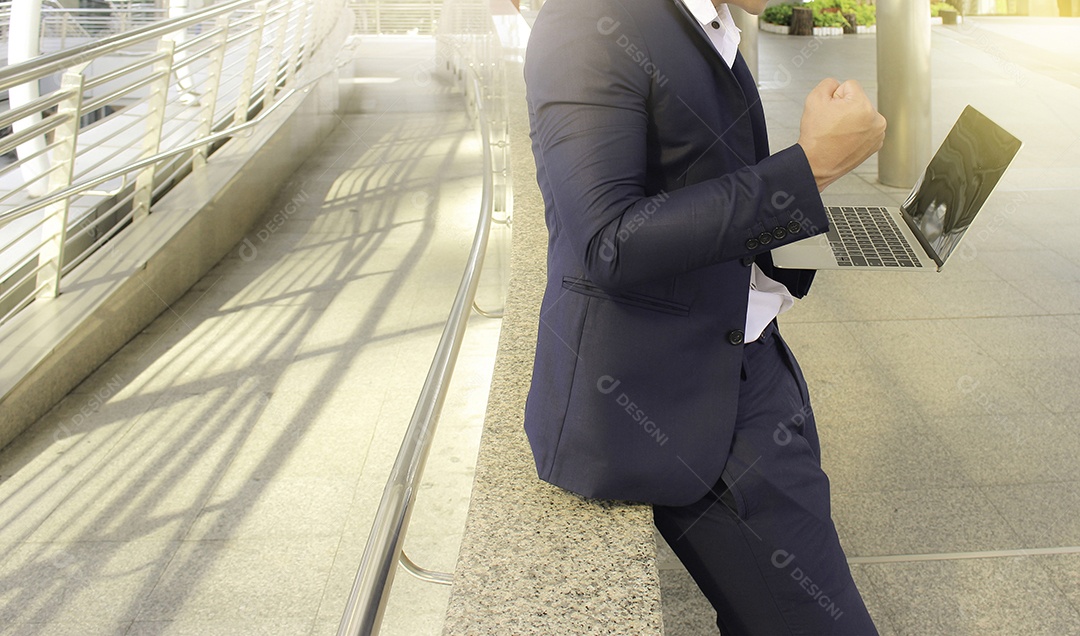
[270, 89]
[310, 27]
[247, 83]
[54, 225]
[155, 122]
[295, 7]
[213, 85]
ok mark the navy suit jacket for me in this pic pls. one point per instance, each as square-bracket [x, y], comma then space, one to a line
[653, 161]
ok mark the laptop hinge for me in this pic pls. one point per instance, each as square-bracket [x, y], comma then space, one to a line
[921, 237]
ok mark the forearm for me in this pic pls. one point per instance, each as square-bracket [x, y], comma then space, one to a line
[734, 216]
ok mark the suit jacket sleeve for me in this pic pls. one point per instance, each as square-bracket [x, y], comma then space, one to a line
[590, 97]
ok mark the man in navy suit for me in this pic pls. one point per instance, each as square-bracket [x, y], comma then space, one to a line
[660, 376]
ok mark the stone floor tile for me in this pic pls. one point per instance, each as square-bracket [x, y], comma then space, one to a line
[1052, 383]
[903, 453]
[1020, 337]
[277, 508]
[872, 599]
[1041, 515]
[1064, 570]
[686, 610]
[1011, 450]
[253, 627]
[51, 460]
[973, 597]
[99, 584]
[155, 480]
[241, 581]
[974, 299]
[921, 522]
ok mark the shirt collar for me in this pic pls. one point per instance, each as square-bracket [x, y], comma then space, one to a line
[705, 12]
[725, 36]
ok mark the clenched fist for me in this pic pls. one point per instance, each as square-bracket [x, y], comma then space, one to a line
[839, 130]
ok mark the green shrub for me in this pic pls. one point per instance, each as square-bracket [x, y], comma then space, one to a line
[845, 6]
[826, 12]
[827, 18]
[866, 15]
[779, 14]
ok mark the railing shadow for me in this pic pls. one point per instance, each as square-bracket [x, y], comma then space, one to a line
[206, 390]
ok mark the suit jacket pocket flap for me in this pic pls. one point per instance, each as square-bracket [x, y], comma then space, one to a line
[583, 286]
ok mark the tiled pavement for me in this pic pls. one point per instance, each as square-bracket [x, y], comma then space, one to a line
[946, 402]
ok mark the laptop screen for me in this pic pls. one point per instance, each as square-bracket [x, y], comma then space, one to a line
[959, 179]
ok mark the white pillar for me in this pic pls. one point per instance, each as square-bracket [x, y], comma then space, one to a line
[903, 76]
[24, 36]
[178, 9]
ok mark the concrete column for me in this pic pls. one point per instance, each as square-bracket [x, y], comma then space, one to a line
[24, 35]
[178, 9]
[748, 45]
[903, 76]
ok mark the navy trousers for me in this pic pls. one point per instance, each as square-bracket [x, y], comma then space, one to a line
[761, 545]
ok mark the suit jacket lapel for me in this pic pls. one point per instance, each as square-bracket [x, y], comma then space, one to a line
[740, 75]
[753, 102]
[703, 42]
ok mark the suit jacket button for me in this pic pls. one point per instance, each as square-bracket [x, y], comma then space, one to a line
[735, 337]
[764, 238]
[779, 233]
[793, 227]
[747, 261]
[752, 244]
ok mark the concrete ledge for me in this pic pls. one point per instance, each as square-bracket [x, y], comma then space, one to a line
[536, 559]
[52, 345]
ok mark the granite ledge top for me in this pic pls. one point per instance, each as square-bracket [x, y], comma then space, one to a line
[536, 559]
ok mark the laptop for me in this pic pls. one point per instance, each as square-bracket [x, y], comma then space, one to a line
[920, 235]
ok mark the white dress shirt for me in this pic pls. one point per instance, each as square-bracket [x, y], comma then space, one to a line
[768, 298]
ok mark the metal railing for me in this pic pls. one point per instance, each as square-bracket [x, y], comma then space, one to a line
[62, 27]
[390, 17]
[371, 589]
[60, 24]
[129, 116]
[475, 58]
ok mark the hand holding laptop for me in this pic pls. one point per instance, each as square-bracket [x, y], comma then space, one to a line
[840, 129]
[920, 235]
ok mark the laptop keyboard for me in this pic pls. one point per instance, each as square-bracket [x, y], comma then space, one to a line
[868, 236]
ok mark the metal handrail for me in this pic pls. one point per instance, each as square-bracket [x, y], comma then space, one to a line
[82, 186]
[495, 315]
[371, 589]
[45, 65]
[424, 574]
[210, 80]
